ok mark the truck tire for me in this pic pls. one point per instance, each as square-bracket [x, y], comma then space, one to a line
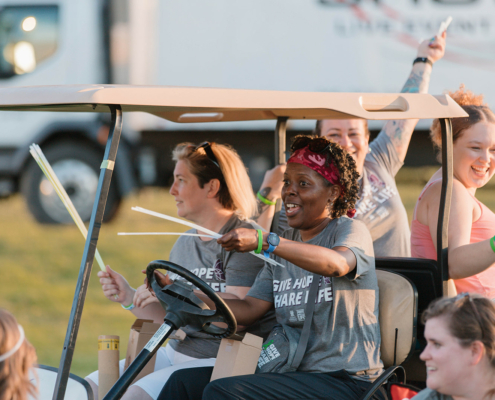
[77, 166]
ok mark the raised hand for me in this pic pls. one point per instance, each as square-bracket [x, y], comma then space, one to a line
[433, 48]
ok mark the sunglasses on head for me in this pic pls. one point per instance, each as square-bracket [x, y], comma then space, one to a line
[460, 299]
[206, 146]
[316, 145]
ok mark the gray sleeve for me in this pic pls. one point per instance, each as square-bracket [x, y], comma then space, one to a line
[383, 152]
[355, 236]
[263, 285]
[241, 269]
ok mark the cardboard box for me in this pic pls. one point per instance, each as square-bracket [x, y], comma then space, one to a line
[237, 357]
[141, 332]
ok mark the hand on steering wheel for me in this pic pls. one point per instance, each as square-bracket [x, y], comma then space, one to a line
[183, 307]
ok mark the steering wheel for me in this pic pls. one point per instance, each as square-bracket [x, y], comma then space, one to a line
[184, 307]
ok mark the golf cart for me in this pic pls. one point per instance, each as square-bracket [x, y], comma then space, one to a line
[399, 277]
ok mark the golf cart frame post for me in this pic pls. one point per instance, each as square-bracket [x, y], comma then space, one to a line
[89, 250]
[212, 105]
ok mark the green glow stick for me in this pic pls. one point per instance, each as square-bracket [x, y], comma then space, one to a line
[45, 166]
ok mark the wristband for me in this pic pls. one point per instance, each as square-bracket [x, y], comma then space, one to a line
[129, 307]
[423, 60]
[265, 200]
[492, 243]
[260, 242]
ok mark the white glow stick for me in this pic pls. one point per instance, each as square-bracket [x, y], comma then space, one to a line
[163, 233]
[444, 25]
[199, 228]
[45, 166]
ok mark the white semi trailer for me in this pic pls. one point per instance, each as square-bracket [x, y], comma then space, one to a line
[301, 45]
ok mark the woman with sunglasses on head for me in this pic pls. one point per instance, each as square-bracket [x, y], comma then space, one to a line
[460, 349]
[212, 189]
[471, 223]
[342, 356]
[379, 206]
[17, 358]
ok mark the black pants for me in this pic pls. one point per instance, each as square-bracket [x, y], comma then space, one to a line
[193, 384]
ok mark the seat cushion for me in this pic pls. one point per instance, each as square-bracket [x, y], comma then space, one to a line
[398, 311]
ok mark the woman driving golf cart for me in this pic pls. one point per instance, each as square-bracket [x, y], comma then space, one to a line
[211, 188]
[379, 205]
[342, 356]
[471, 224]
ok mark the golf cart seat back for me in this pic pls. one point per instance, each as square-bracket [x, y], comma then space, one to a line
[398, 315]
[424, 274]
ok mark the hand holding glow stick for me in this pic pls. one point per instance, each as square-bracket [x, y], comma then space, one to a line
[215, 235]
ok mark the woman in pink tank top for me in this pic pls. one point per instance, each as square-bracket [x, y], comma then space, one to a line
[471, 224]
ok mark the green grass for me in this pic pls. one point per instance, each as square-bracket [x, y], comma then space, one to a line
[39, 265]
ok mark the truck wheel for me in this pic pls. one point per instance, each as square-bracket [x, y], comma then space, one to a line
[77, 166]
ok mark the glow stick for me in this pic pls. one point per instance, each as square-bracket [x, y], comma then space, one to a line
[45, 166]
[444, 25]
[200, 228]
[163, 233]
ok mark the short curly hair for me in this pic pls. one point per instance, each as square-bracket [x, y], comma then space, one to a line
[348, 175]
[473, 105]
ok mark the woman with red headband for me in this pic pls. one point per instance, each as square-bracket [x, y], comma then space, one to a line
[342, 353]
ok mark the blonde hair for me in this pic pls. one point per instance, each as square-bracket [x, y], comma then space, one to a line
[473, 105]
[236, 192]
[15, 383]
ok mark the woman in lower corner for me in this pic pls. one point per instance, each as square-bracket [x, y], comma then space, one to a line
[342, 356]
[460, 350]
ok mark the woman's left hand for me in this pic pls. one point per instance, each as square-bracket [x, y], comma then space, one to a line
[241, 240]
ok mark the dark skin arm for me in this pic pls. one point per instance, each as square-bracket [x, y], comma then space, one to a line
[246, 311]
[335, 262]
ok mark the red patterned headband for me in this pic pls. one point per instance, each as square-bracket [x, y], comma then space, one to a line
[316, 162]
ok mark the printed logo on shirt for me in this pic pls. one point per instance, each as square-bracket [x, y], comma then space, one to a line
[268, 353]
[219, 271]
[292, 317]
[215, 272]
[373, 195]
[294, 297]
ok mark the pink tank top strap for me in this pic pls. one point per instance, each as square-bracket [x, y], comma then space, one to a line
[421, 195]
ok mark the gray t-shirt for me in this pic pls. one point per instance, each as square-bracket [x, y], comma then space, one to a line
[345, 333]
[428, 394]
[380, 206]
[218, 268]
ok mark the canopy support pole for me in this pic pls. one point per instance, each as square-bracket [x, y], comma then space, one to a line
[280, 146]
[89, 252]
[445, 199]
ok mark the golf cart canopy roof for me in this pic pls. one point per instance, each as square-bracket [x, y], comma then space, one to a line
[190, 104]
